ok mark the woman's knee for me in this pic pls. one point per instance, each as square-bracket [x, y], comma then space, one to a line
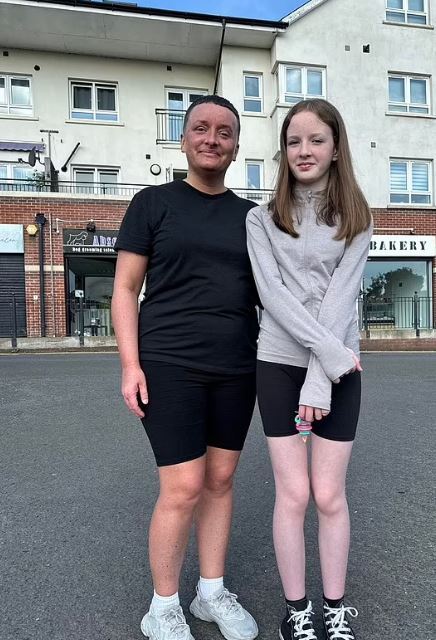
[181, 491]
[219, 480]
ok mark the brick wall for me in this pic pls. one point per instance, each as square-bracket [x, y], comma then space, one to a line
[73, 212]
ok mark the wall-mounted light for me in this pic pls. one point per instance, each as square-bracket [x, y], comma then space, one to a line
[90, 226]
[155, 169]
[32, 229]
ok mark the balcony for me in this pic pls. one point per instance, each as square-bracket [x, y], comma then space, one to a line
[169, 125]
[101, 189]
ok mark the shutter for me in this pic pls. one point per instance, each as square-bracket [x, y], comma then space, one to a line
[12, 281]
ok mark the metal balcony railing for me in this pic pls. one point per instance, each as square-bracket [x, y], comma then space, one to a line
[169, 125]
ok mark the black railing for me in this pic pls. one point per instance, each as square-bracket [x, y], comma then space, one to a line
[89, 318]
[107, 189]
[412, 312]
[169, 125]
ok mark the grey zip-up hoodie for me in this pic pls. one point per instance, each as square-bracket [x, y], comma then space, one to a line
[308, 287]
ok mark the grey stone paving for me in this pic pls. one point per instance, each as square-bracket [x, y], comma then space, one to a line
[77, 485]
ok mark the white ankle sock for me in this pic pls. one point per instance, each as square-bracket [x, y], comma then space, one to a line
[209, 586]
[160, 604]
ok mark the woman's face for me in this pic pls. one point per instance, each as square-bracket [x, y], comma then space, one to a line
[310, 150]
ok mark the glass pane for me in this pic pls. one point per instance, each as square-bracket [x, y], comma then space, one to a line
[419, 109]
[82, 98]
[399, 198]
[253, 176]
[414, 19]
[252, 86]
[419, 177]
[175, 100]
[22, 173]
[3, 172]
[193, 97]
[174, 126]
[112, 117]
[397, 107]
[293, 80]
[2, 90]
[418, 91]
[398, 176]
[314, 83]
[418, 199]
[108, 177]
[395, 17]
[395, 4]
[82, 115]
[105, 99]
[20, 91]
[416, 5]
[252, 105]
[397, 90]
[292, 99]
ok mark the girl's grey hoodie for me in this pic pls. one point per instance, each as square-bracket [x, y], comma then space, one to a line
[308, 287]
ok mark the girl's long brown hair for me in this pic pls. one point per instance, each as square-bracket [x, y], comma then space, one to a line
[344, 203]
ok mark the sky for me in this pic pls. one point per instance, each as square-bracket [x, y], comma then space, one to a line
[261, 10]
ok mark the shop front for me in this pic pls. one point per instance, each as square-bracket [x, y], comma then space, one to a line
[12, 281]
[398, 282]
[89, 277]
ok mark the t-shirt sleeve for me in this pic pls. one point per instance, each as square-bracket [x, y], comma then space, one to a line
[136, 233]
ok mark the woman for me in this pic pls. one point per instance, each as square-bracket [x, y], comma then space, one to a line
[308, 249]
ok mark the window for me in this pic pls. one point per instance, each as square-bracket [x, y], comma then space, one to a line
[253, 93]
[17, 177]
[94, 101]
[410, 182]
[254, 174]
[408, 94]
[15, 95]
[178, 101]
[298, 83]
[407, 11]
[96, 180]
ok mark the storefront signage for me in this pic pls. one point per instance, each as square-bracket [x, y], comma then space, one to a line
[395, 246]
[80, 241]
[11, 238]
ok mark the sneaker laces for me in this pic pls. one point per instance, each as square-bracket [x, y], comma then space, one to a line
[176, 622]
[300, 619]
[228, 604]
[337, 623]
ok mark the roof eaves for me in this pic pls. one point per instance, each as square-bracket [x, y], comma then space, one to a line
[306, 8]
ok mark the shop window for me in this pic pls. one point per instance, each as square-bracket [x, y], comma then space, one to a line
[15, 95]
[253, 93]
[298, 82]
[410, 182]
[409, 94]
[93, 101]
[414, 12]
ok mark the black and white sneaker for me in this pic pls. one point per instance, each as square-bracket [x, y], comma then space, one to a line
[297, 625]
[336, 624]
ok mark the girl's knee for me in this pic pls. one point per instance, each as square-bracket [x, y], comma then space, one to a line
[329, 500]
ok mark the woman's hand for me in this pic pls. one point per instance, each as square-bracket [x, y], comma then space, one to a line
[357, 367]
[311, 413]
[133, 383]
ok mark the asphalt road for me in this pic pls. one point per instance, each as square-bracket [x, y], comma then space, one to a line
[78, 482]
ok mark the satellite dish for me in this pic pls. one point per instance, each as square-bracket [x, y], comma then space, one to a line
[32, 157]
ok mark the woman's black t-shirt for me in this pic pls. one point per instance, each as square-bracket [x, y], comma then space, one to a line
[200, 297]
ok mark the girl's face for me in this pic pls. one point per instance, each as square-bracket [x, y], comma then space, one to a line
[310, 150]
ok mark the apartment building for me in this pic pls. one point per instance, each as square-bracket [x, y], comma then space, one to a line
[93, 95]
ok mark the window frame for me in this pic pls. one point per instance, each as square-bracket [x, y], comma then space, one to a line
[409, 192]
[94, 111]
[95, 186]
[21, 110]
[261, 165]
[259, 98]
[405, 11]
[408, 77]
[304, 95]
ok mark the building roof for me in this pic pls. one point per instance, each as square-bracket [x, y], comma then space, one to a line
[127, 31]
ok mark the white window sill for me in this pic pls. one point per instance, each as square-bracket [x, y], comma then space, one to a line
[408, 24]
[426, 116]
[8, 116]
[410, 206]
[99, 123]
[254, 114]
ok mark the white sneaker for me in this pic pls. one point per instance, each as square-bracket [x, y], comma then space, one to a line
[234, 622]
[170, 625]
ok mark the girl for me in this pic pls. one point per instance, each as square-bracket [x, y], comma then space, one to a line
[308, 249]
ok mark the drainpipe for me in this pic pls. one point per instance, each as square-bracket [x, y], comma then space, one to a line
[40, 220]
[220, 55]
[53, 312]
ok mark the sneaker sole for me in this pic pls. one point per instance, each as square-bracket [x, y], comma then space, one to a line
[200, 615]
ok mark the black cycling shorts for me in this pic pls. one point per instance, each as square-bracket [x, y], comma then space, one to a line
[278, 392]
[189, 410]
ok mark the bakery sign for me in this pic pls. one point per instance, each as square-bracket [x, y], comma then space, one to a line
[80, 241]
[396, 246]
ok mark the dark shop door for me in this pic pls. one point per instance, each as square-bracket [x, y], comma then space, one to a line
[12, 282]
